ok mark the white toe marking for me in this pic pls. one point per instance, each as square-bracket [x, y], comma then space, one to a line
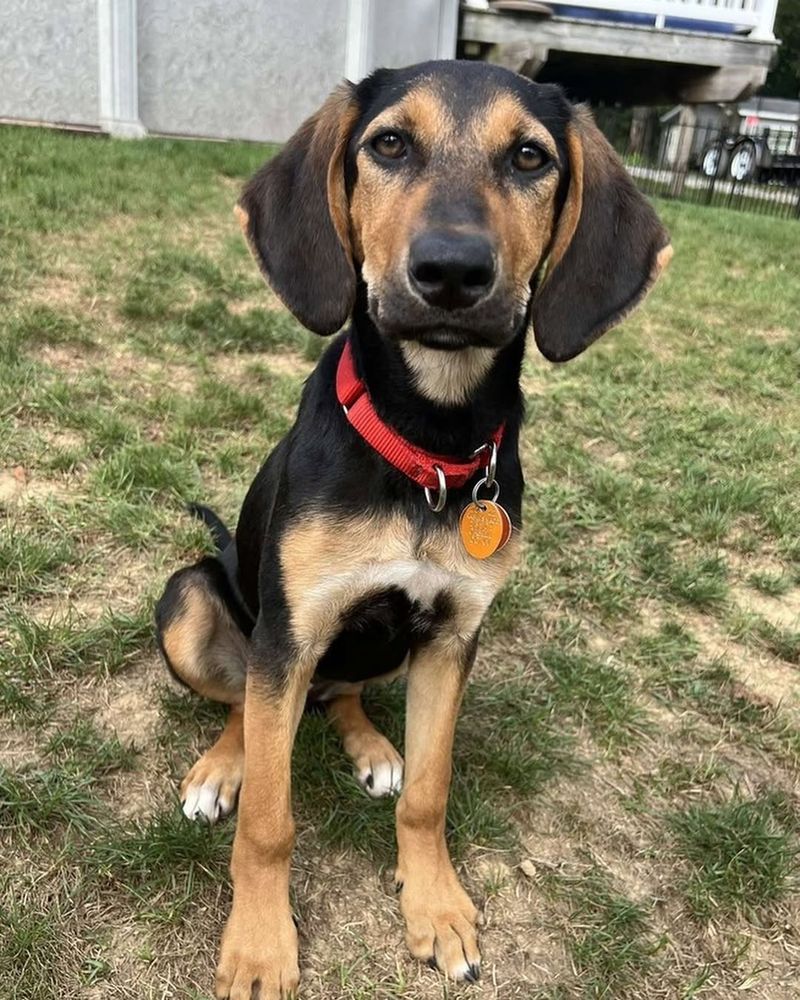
[190, 802]
[386, 779]
[397, 779]
[207, 802]
[201, 803]
[461, 972]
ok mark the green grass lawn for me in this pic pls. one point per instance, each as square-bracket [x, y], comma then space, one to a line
[625, 803]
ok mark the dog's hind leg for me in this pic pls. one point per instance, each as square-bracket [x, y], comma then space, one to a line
[378, 766]
[200, 633]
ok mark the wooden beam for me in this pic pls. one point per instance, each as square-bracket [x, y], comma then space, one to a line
[692, 48]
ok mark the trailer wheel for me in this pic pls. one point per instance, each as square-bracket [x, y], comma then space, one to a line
[714, 159]
[744, 161]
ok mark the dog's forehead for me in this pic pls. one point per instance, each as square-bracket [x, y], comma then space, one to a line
[443, 102]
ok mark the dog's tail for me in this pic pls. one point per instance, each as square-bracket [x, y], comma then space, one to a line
[222, 537]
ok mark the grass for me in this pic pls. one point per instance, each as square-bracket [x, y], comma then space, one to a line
[632, 728]
[607, 936]
[741, 853]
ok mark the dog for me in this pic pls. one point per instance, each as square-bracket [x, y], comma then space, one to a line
[438, 212]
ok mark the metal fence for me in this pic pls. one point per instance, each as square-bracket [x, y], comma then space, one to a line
[757, 170]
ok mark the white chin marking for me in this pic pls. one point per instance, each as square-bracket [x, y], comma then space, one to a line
[205, 804]
[447, 376]
[381, 779]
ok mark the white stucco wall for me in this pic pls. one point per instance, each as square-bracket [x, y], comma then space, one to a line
[245, 69]
[48, 61]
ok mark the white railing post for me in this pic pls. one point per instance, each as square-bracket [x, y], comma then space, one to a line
[118, 69]
[358, 40]
[766, 20]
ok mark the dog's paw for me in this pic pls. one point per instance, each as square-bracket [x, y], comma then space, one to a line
[440, 922]
[258, 958]
[378, 767]
[209, 790]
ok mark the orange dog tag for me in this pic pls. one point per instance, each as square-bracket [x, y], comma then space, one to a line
[485, 528]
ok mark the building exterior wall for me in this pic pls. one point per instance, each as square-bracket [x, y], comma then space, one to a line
[49, 61]
[405, 33]
[237, 68]
[244, 69]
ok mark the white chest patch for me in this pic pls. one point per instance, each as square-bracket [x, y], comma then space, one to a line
[330, 566]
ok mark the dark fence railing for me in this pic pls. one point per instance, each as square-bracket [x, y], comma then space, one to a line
[710, 165]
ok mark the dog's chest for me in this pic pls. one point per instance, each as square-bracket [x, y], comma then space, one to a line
[335, 570]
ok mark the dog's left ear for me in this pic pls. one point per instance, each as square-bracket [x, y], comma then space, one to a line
[608, 248]
[295, 216]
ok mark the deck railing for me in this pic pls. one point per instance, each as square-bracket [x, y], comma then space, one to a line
[754, 17]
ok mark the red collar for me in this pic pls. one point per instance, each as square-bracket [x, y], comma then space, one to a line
[420, 466]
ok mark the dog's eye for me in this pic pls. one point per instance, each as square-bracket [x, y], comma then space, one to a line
[389, 145]
[528, 156]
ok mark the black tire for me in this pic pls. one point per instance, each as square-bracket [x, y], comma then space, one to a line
[743, 163]
[713, 161]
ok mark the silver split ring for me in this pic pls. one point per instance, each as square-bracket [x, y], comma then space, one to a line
[485, 482]
[491, 468]
[437, 506]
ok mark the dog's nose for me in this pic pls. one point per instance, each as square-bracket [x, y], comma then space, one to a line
[451, 270]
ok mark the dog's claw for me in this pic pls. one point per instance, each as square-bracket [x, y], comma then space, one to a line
[473, 974]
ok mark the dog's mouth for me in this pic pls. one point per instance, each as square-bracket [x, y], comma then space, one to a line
[403, 317]
[445, 338]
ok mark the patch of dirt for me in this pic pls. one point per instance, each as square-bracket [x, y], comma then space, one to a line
[775, 334]
[135, 369]
[126, 949]
[120, 579]
[12, 484]
[129, 705]
[239, 367]
[763, 677]
[265, 299]
[760, 562]
[608, 453]
[19, 485]
[129, 708]
[60, 438]
[70, 360]
[61, 290]
[15, 750]
[352, 932]
[783, 612]
[139, 374]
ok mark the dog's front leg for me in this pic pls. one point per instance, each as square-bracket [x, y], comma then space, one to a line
[440, 917]
[259, 946]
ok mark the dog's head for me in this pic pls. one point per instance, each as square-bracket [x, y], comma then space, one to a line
[468, 199]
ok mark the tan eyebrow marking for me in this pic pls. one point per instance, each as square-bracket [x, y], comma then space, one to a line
[422, 113]
[504, 121]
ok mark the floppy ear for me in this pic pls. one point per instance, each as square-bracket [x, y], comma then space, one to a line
[608, 249]
[295, 217]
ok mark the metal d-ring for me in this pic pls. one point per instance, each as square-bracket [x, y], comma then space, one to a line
[477, 486]
[491, 467]
[437, 506]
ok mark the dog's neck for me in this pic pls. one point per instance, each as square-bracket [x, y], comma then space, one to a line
[447, 402]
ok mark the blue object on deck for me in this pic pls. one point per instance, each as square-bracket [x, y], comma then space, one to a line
[646, 20]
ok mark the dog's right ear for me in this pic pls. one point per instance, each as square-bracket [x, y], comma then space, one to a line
[296, 219]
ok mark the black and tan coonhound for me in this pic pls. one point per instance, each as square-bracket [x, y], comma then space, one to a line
[437, 213]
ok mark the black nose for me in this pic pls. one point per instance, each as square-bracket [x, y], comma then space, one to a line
[451, 270]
